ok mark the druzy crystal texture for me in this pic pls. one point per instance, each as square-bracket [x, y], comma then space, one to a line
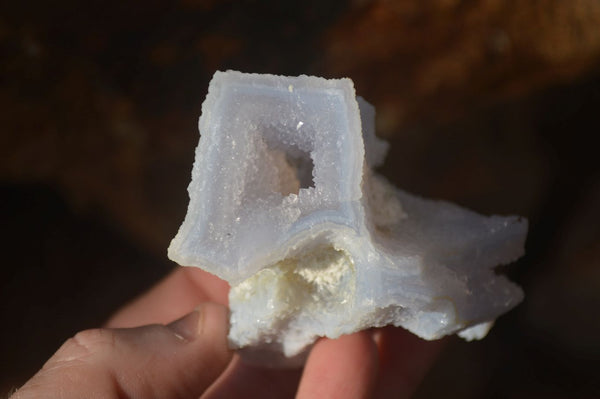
[285, 206]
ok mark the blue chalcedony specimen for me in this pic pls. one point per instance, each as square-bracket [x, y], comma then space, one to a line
[284, 205]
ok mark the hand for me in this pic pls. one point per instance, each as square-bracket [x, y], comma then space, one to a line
[189, 358]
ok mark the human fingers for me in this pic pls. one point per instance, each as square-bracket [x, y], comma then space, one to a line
[175, 295]
[341, 368]
[243, 380]
[404, 360]
[179, 360]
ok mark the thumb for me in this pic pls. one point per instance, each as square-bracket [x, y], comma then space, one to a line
[178, 360]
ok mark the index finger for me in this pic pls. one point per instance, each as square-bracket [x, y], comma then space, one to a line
[174, 296]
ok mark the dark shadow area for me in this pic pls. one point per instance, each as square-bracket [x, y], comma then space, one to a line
[62, 272]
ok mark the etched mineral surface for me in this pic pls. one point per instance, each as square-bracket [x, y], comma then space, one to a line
[284, 205]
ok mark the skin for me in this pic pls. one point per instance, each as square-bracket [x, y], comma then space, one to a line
[171, 342]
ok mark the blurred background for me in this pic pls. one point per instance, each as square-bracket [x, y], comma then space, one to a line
[492, 104]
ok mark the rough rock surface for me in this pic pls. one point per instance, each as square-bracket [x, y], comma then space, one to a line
[285, 207]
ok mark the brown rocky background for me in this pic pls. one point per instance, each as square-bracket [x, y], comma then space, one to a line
[492, 104]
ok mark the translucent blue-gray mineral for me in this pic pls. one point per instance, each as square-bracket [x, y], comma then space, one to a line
[284, 205]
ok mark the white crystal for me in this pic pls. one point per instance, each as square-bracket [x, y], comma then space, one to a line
[285, 207]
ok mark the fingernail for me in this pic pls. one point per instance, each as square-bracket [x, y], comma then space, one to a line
[186, 327]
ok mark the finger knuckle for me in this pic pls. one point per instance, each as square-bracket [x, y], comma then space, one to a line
[88, 343]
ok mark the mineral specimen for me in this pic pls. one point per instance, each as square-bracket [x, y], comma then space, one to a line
[284, 205]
